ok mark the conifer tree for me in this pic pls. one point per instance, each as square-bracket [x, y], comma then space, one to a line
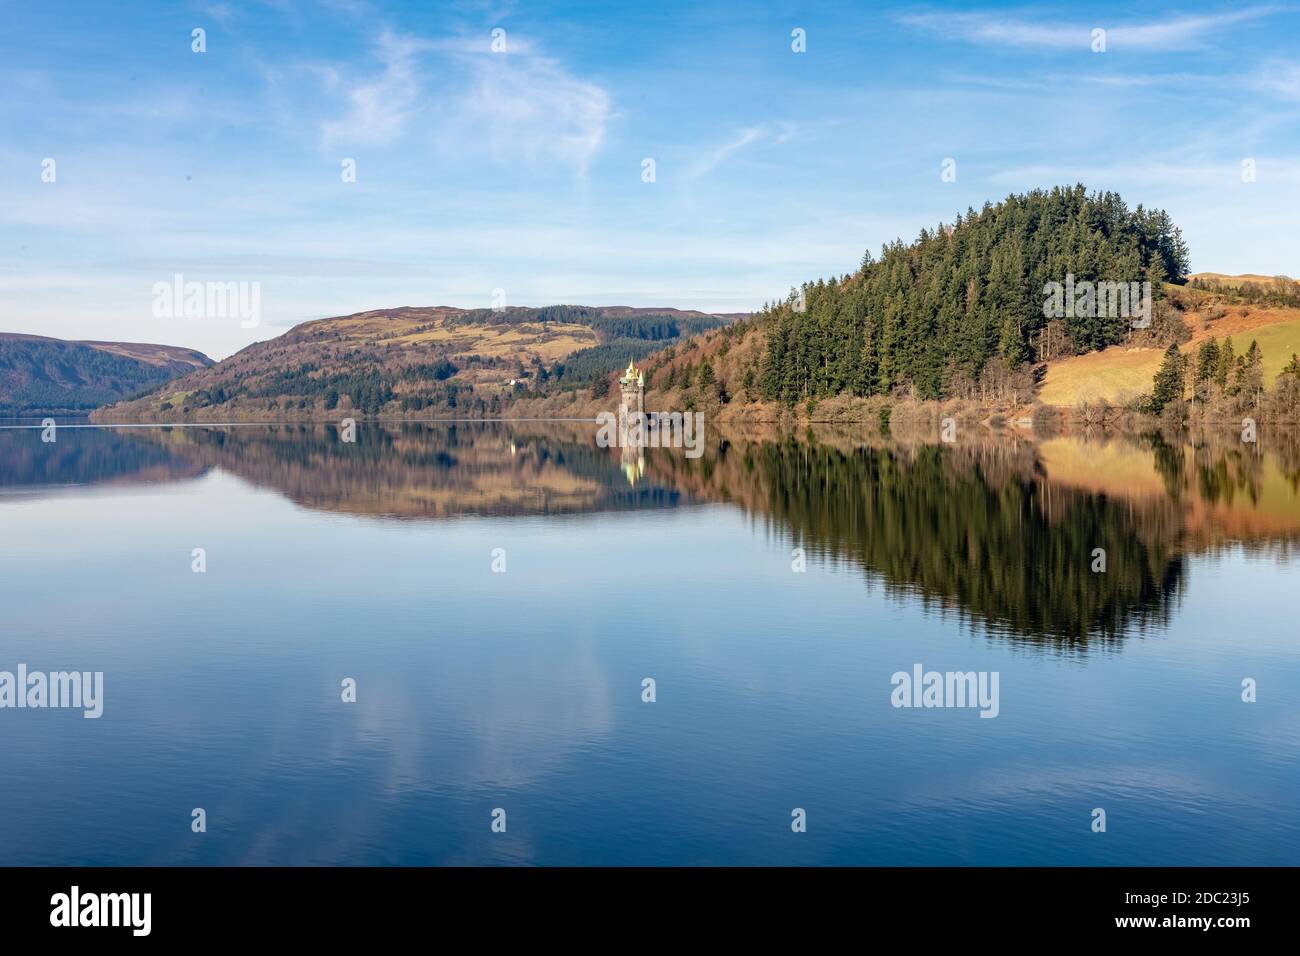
[1227, 364]
[1207, 360]
[1169, 382]
[1253, 377]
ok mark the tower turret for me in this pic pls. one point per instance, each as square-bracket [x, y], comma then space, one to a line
[632, 388]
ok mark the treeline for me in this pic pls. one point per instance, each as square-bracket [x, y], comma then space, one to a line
[368, 390]
[1223, 385]
[655, 327]
[623, 338]
[1280, 292]
[965, 301]
[587, 366]
[517, 315]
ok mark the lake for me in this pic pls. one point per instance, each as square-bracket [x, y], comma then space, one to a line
[499, 595]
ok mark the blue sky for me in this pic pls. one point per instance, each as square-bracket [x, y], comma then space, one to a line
[522, 170]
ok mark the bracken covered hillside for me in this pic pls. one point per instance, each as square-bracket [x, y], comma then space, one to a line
[413, 362]
[47, 376]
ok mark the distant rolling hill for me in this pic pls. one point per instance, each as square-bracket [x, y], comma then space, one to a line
[415, 361]
[40, 375]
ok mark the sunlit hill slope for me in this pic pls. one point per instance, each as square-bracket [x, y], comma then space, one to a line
[1119, 373]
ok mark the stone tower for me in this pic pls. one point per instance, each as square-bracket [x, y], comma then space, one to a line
[631, 409]
[632, 385]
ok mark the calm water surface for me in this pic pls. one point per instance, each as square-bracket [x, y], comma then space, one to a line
[523, 690]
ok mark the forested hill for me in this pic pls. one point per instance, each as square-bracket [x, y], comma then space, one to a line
[40, 375]
[417, 362]
[963, 304]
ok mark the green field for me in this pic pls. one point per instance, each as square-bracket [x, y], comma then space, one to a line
[1116, 373]
[1279, 343]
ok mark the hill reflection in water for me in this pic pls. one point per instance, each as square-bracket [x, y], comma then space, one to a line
[1004, 532]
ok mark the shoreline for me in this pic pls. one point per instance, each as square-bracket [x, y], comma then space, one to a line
[918, 420]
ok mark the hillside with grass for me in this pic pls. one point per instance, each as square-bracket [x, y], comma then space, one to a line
[415, 362]
[1212, 306]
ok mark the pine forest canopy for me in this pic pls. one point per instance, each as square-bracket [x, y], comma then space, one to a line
[934, 316]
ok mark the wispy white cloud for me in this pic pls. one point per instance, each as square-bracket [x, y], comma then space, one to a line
[530, 105]
[220, 12]
[770, 133]
[1176, 33]
[517, 104]
[1281, 79]
[379, 107]
[712, 160]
